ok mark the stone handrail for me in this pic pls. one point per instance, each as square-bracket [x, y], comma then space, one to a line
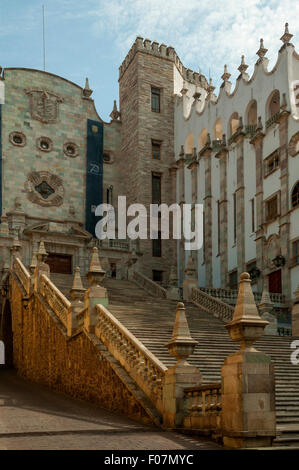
[146, 369]
[54, 298]
[148, 285]
[230, 295]
[22, 274]
[212, 305]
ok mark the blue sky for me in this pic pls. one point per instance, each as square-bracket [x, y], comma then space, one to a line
[91, 37]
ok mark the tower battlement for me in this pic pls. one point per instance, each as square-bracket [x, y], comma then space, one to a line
[147, 46]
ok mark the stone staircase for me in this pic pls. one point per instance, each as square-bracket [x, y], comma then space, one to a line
[151, 320]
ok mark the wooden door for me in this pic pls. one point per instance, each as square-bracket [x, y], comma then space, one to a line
[275, 282]
[60, 263]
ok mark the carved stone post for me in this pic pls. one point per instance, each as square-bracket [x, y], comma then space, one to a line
[180, 376]
[173, 291]
[15, 250]
[77, 293]
[266, 307]
[190, 280]
[295, 314]
[248, 383]
[96, 294]
[42, 267]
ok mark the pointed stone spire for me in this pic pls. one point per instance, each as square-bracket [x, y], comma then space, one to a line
[210, 87]
[191, 267]
[246, 326]
[208, 141]
[283, 106]
[115, 114]
[77, 291]
[240, 126]
[87, 92]
[42, 254]
[224, 140]
[4, 228]
[259, 126]
[243, 67]
[182, 151]
[172, 281]
[96, 273]
[266, 308]
[262, 50]
[286, 37]
[181, 345]
[225, 76]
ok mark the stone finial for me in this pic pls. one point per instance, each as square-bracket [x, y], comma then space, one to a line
[115, 114]
[208, 141]
[259, 126]
[243, 67]
[286, 37]
[246, 326]
[210, 87]
[224, 140]
[225, 76]
[42, 254]
[266, 308]
[77, 291]
[181, 345]
[283, 106]
[96, 273]
[87, 92]
[191, 267]
[240, 126]
[182, 151]
[33, 263]
[4, 228]
[262, 51]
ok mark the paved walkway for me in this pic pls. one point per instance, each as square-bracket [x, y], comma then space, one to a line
[33, 417]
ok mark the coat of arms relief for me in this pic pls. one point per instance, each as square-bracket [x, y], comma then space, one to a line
[43, 105]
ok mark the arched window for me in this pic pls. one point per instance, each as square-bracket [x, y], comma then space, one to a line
[273, 104]
[202, 139]
[252, 113]
[233, 124]
[295, 195]
[218, 129]
[189, 143]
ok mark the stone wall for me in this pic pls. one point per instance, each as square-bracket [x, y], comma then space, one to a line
[75, 366]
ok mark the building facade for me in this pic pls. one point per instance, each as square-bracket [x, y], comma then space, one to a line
[172, 141]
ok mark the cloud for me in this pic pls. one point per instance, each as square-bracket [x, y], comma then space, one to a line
[205, 34]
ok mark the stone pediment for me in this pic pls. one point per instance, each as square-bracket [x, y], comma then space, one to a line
[57, 227]
[79, 231]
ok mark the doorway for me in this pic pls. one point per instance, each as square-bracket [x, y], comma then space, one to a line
[60, 263]
[275, 282]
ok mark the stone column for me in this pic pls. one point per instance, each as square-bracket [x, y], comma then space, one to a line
[193, 167]
[240, 203]
[223, 206]
[207, 151]
[295, 314]
[173, 175]
[181, 172]
[257, 141]
[284, 220]
[248, 383]
[96, 294]
[180, 376]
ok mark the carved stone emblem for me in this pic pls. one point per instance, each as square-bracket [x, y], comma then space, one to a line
[272, 250]
[43, 105]
[44, 188]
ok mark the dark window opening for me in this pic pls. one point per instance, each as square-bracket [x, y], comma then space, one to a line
[156, 150]
[156, 188]
[156, 94]
[233, 280]
[157, 275]
[295, 195]
[272, 209]
[296, 252]
[157, 246]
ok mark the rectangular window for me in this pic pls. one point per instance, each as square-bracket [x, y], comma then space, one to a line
[157, 246]
[233, 280]
[272, 162]
[235, 216]
[156, 150]
[252, 216]
[156, 96]
[296, 252]
[272, 209]
[157, 275]
[156, 188]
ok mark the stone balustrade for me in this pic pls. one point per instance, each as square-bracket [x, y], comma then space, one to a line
[212, 305]
[230, 295]
[148, 285]
[22, 274]
[138, 361]
[60, 305]
[203, 408]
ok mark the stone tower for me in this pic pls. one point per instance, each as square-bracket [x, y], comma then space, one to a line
[146, 83]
